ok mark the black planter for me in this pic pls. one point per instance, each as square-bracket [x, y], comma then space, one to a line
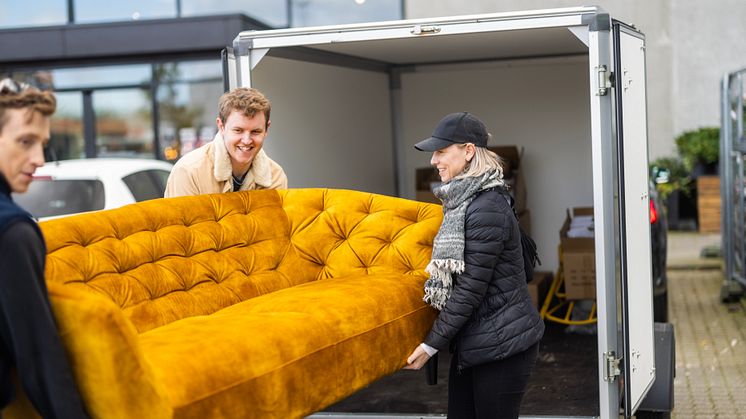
[681, 211]
[705, 169]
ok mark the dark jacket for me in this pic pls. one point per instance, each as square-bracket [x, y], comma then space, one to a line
[489, 315]
[9, 211]
[29, 341]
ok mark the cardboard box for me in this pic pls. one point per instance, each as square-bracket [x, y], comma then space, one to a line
[424, 179]
[539, 286]
[513, 174]
[426, 196]
[578, 260]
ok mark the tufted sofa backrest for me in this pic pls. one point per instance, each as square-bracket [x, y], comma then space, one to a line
[167, 259]
[336, 233]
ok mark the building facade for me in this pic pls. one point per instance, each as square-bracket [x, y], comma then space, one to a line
[142, 78]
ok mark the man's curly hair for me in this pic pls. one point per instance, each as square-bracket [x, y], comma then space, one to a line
[29, 98]
[246, 100]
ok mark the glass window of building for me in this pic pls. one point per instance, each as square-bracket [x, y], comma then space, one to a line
[124, 124]
[87, 11]
[190, 71]
[330, 12]
[15, 14]
[93, 77]
[39, 79]
[273, 13]
[188, 94]
[67, 140]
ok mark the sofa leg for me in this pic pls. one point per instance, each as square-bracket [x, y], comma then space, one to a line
[431, 370]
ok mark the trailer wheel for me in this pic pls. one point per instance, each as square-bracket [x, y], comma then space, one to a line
[660, 308]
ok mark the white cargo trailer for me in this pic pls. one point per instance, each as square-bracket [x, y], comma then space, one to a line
[566, 85]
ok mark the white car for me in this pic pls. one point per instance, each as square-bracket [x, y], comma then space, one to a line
[69, 187]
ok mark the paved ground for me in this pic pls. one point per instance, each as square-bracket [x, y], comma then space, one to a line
[685, 251]
[710, 336]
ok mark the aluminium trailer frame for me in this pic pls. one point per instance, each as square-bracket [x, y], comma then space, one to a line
[620, 204]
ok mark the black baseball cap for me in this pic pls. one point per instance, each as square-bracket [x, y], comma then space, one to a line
[455, 128]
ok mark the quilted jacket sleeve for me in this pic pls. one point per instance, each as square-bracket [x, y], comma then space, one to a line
[485, 236]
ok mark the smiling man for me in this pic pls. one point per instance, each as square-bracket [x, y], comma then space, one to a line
[29, 342]
[234, 160]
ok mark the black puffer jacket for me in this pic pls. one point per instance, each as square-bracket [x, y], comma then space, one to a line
[489, 315]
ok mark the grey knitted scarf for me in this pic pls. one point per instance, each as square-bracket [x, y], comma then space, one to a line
[448, 247]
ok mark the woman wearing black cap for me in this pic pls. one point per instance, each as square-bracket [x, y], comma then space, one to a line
[477, 278]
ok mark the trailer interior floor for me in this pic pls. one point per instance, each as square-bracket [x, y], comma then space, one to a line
[564, 382]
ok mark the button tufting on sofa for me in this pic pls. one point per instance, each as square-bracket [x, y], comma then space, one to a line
[215, 310]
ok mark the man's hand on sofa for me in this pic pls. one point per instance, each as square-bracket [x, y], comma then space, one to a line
[418, 359]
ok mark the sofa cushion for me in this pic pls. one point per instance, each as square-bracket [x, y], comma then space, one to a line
[335, 233]
[245, 360]
[167, 259]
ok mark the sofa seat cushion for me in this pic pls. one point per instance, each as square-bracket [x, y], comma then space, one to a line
[240, 361]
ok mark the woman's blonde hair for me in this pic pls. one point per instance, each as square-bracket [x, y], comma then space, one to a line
[483, 161]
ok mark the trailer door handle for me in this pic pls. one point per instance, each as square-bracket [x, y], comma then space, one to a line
[424, 29]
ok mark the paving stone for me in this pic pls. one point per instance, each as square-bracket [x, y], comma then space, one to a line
[710, 347]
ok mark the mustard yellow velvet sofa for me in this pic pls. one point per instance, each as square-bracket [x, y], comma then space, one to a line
[261, 304]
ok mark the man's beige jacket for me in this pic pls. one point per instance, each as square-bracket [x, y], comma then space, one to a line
[208, 170]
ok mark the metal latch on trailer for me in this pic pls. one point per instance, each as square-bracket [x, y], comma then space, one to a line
[424, 29]
[611, 366]
[605, 80]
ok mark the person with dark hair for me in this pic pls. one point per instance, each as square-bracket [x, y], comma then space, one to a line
[477, 278]
[234, 159]
[29, 343]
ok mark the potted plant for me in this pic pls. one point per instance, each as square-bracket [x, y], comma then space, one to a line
[676, 191]
[669, 175]
[700, 150]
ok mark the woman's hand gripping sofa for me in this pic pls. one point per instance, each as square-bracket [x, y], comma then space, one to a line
[260, 304]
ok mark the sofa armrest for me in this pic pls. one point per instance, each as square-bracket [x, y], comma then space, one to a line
[114, 378]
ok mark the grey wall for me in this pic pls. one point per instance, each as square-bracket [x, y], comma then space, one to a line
[709, 41]
[331, 126]
[690, 45]
[554, 132]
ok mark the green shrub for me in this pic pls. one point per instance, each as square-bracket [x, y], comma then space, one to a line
[670, 174]
[700, 146]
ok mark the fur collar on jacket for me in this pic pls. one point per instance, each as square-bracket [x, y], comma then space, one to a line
[260, 172]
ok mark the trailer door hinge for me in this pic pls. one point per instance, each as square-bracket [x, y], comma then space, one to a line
[611, 366]
[605, 80]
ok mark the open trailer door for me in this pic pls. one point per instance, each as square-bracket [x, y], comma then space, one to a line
[638, 357]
